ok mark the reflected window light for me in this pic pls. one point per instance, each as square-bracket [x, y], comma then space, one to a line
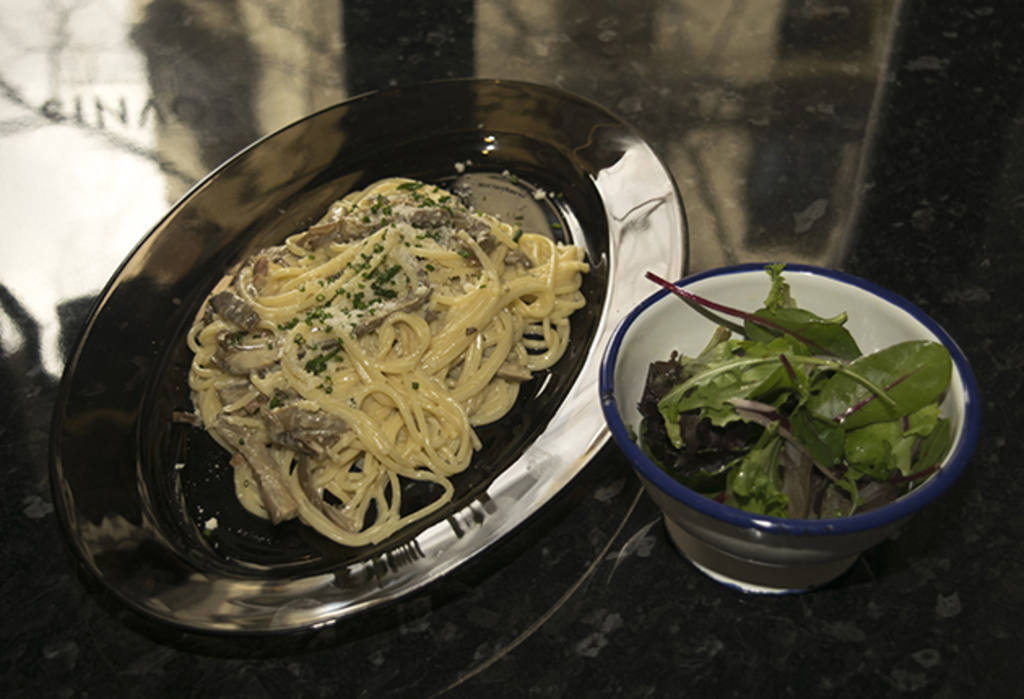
[93, 145]
[11, 338]
[543, 386]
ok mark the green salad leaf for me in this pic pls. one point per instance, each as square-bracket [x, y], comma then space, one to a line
[736, 369]
[824, 336]
[791, 419]
[912, 374]
[755, 483]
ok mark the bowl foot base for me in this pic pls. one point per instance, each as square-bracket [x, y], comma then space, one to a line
[751, 576]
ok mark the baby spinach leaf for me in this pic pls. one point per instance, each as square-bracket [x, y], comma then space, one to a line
[824, 336]
[793, 421]
[923, 421]
[823, 439]
[705, 306]
[754, 484]
[933, 447]
[912, 374]
[883, 449]
[819, 335]
[872, 449]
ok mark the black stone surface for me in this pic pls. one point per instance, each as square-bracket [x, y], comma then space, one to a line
[887, 141]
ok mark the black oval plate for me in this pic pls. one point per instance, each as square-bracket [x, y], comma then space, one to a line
[135, 489]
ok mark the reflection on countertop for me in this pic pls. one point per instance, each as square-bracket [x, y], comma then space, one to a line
[762, 110]
[880, 137]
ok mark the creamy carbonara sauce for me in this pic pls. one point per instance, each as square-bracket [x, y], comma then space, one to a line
[357, 357]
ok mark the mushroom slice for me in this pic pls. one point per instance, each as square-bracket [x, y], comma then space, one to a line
[247, 445]
[303, 430]
[510, 371]
[235, 310]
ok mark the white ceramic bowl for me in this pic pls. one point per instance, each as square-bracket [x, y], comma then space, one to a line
[757, 553]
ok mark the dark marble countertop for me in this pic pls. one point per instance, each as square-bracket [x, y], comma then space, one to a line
[881, 138]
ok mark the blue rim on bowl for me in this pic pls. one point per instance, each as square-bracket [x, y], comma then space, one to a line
[904, 507]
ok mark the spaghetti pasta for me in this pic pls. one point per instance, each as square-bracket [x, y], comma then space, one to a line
[357, 357]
